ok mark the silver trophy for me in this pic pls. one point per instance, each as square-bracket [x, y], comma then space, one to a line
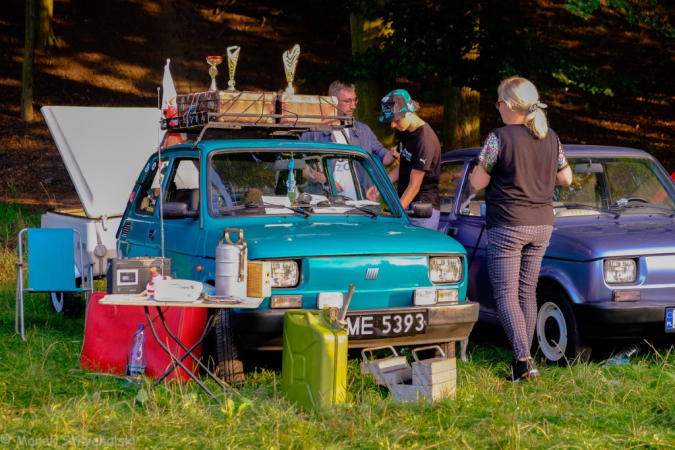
[290, 59]
[232, 58]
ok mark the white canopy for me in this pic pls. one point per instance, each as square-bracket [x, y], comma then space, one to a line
[104, 150]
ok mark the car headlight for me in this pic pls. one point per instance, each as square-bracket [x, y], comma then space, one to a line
[446, 269]
[285, 273]
[620, 271]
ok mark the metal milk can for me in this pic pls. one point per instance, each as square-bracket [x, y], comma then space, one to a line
[231, 265]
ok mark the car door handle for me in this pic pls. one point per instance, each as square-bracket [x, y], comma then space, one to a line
[151, 233]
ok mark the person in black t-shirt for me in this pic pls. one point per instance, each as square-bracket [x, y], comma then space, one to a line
[519, 166]
[419, 170]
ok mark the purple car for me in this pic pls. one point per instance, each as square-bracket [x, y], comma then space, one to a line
[609, 271]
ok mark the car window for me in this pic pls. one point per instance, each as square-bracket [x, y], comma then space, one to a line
[451, 173]
[635, 180]
[472, 202]
[184, 183]
[258, 182]
[632, 185]
[585, 189]
[150, 181]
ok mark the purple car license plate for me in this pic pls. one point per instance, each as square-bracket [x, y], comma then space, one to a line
[379, 325]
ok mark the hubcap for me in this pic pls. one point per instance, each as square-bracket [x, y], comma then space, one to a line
[551, 331]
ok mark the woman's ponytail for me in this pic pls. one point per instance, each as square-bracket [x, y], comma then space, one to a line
[521, 95]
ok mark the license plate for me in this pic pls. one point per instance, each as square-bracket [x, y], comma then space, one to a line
[379, 325]
[670, 320]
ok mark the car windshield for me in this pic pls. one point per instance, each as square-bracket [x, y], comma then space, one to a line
[615, 186]
[262, 182]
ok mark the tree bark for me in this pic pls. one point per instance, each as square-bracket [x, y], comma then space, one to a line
[27, 70]
[367, 34]
[461, 121]
[45, 32]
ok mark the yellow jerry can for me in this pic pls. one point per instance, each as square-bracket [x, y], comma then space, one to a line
[314, 360]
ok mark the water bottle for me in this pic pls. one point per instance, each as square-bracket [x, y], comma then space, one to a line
[137, 359]
[621, 358]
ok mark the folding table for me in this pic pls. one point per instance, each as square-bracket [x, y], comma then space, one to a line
[214, 309]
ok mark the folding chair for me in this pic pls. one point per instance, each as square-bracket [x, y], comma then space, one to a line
[51, 266]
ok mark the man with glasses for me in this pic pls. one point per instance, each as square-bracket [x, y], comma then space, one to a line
[360, 135]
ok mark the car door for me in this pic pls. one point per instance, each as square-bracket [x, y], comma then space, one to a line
[463, 218]
[181, 237]
[140, 215]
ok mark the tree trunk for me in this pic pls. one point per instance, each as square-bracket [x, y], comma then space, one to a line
[367, 34]
[461, 128]
[43, 27]
[27, 71]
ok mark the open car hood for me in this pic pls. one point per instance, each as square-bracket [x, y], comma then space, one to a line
[104, 150]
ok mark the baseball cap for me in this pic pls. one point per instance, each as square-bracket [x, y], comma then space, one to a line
[396, 105]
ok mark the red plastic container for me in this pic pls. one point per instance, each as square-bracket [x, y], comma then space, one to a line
[109, 329]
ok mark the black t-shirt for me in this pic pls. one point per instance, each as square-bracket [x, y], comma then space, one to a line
[520, 192]
[421, 150]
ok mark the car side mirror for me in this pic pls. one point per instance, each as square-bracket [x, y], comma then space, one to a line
[178, 210]
[421, 210]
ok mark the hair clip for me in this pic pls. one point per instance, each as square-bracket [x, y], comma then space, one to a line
[536, 105]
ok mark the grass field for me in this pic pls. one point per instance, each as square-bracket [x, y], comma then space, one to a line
[47, 401]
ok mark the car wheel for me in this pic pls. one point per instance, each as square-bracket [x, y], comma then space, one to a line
[229, 366]
[67, 303]
[557, 334]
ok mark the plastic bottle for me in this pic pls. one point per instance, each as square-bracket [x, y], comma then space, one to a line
[621, 358]
[137, 359]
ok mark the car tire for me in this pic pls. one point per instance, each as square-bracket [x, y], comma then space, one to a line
[229, 366]
[67, 303]
[557, 335]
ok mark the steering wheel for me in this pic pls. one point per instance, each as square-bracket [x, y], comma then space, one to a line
[339, 199]
[633, 199]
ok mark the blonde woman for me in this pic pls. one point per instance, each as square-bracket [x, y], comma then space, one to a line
[519, 166]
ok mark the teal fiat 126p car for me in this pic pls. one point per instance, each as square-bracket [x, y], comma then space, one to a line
[302, 207]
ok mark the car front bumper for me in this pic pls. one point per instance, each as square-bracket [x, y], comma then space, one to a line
[262, 330]
[622, 320]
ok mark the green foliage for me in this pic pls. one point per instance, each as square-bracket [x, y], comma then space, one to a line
[583, 78]
[650, 13]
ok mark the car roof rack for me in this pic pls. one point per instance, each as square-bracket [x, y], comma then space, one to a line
[275, 125]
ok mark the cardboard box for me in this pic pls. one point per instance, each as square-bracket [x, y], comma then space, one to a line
[298, 107]
[230, 104]
[131, 275]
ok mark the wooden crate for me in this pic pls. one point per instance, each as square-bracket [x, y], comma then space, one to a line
[430, 379]
[230, 106]
[297, 108]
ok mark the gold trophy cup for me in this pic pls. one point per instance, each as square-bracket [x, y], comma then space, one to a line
[213, 62]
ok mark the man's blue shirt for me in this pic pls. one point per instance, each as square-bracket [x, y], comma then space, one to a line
[360, 136]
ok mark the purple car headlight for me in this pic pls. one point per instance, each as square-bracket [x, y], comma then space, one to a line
[620, 271]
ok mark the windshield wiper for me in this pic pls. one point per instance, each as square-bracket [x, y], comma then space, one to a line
[327, 204]
[670, 212]
[255, 205]
[593, 208]
[371, 213]
[272, 205]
